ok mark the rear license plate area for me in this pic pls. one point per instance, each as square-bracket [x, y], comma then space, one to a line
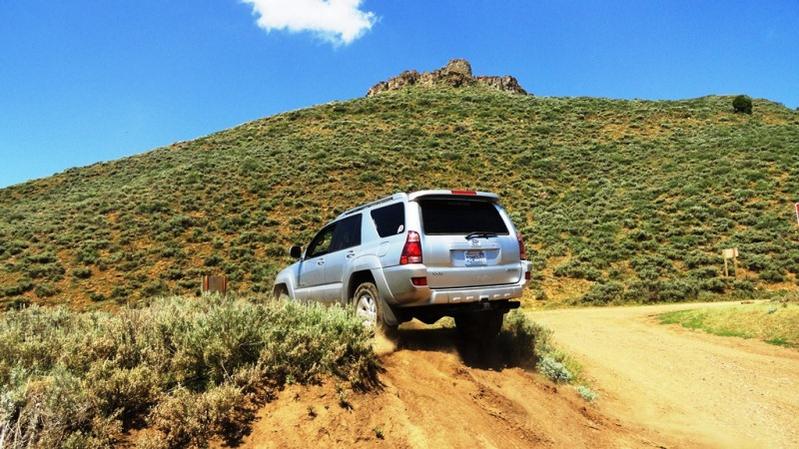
[474, 258]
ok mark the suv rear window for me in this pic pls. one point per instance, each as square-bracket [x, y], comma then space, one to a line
[389, 220]
[445, 216]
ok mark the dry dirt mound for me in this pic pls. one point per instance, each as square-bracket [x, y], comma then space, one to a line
[435, 395]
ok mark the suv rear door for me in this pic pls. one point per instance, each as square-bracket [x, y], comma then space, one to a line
[467, 242]
[346, 239]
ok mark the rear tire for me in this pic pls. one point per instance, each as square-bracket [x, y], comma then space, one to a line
[481, 326]
[370, 308]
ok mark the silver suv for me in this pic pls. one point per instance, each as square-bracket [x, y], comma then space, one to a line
[423, 255]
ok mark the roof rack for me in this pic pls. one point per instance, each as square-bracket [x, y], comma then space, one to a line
[393, 197]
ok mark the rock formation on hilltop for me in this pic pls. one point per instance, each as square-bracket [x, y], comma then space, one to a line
[457, 73]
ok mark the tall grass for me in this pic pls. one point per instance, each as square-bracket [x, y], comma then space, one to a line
[188, 369]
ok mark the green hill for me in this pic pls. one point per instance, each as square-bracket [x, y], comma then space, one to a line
[619, 200]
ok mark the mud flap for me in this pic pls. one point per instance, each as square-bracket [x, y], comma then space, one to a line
[387, 313]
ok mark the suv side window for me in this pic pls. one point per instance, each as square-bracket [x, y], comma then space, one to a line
[320, 244]
[389, 220]
[347, 233]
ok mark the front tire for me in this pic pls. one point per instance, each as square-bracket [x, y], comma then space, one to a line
[370, 309]
[280, 292]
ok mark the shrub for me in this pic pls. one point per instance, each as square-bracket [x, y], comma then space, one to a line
[771, 275]
[23, 286]
[81, 273]
[529, 344]
[678, 290]
[212, 260]
[743, 104]
[187, 366]
[16, 303]
[525, 340]
[554, 370]
[120, 293]
[578, 270]
[587, 393]
[188, 419]
[604, 293]
[45, 290]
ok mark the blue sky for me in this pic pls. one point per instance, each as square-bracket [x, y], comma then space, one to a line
[84, 80]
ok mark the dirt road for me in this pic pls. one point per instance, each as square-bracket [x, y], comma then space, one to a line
[660, 386]
[434, 397]
[699, 389]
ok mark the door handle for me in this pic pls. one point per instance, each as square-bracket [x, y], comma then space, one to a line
[320, 262]
[350, 255]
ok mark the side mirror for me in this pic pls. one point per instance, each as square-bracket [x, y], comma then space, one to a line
[296, 251]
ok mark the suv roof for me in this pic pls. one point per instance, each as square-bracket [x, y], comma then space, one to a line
[418, 194]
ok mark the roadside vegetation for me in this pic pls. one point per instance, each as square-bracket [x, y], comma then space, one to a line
[185, 370]
[619, 200]
[773, 322]
[530, 345]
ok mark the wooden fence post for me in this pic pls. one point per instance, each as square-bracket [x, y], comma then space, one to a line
[214, 284]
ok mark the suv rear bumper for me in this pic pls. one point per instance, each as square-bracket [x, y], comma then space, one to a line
[432, 313]
[404, 294]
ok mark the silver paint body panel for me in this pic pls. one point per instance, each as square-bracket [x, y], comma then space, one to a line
[499, 277]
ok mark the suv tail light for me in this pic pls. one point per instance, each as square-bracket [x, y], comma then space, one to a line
[412, 251]
[522, 250]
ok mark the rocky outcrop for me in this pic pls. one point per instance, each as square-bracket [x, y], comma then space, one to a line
[506, 83]
[457, 73]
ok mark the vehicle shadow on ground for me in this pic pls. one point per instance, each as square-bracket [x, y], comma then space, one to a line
[497, 354]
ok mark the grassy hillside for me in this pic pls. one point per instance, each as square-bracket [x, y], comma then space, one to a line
[620, 200]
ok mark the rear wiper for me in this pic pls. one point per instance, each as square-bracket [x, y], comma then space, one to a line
[485, 235]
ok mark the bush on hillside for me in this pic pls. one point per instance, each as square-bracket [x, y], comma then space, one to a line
[193, 369]
[743, 104]
[604, 293]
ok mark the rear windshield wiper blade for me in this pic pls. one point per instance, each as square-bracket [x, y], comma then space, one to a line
[485, 235]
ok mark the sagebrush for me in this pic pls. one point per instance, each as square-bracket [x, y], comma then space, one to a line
[528, 344]
[188, 369]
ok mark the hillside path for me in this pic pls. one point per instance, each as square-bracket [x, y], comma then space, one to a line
[432, 398]
[704, 390]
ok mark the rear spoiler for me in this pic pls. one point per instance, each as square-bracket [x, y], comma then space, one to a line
[493, 197]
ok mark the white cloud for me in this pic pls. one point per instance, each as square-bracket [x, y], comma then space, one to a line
[337, 21]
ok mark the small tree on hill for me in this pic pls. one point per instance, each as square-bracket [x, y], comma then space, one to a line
[742, 103]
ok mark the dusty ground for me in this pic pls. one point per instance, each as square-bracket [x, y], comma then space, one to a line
[701, 389]
[660, 386]
[437, 395]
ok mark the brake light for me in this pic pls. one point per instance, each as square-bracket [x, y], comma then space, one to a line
[412, 251]
[463, 192]
[522, 250]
